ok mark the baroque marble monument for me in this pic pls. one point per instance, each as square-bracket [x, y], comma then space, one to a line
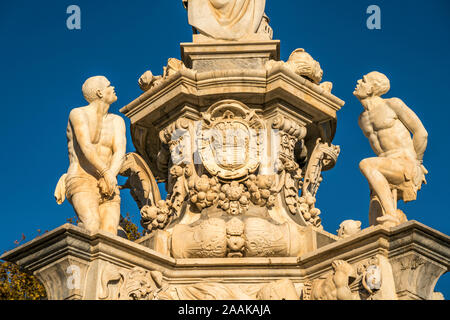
[240, 140]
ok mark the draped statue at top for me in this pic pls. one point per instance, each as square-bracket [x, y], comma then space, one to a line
[229, 19]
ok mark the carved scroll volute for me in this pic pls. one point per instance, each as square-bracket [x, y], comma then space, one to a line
[292, 152]
[177, 140]
[147, 147]
[175, 161]
[141, 182]
[287, 134]
[176, 158]
[176, 153]
[143, 188]
[323, 158]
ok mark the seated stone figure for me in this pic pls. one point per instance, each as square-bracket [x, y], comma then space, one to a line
[397, 172]
[96, 142]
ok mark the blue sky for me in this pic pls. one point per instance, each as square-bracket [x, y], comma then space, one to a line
[43, 65]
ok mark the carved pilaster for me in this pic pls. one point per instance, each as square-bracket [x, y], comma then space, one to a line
[416, 275]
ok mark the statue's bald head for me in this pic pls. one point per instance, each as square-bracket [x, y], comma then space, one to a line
[380, 83]
[92, 85]
[373, 84]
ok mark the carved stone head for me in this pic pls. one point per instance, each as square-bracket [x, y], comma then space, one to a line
[99, 88]
[348, 228]
[304, 65]
[372, 84]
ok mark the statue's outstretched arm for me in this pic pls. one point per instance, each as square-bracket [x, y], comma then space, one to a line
[413, 123]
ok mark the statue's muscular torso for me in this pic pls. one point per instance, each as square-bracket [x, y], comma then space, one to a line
[386, 133]
[101, 133]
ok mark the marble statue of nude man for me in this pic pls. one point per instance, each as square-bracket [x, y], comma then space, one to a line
[96, 143]
[397, 172]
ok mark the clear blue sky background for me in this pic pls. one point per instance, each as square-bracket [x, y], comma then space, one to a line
[43, 65]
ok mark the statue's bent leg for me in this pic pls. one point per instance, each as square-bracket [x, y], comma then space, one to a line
[110, 215]
[380, 173]
[86, 207]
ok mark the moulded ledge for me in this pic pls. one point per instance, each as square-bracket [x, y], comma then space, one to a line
[414, 256]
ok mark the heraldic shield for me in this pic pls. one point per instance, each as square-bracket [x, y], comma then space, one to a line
[230, 140]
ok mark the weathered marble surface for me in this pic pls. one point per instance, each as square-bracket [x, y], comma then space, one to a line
[96, 143]
[228, 19]
[235, 134]
[229, 55]
[399, 139]
[236, 143]
[409, 259]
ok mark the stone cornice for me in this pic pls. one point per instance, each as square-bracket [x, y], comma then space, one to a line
[247, 85]
[69, 240]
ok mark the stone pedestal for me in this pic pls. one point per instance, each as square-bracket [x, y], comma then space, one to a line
[229, 55]
[282, 124]
[75, 264]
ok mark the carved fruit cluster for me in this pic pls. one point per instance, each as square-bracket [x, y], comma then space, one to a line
[261, 190]
[155, 217]
[233, 198]
[158, 216]
[308, 210]
[203, 191]
[305, 205]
